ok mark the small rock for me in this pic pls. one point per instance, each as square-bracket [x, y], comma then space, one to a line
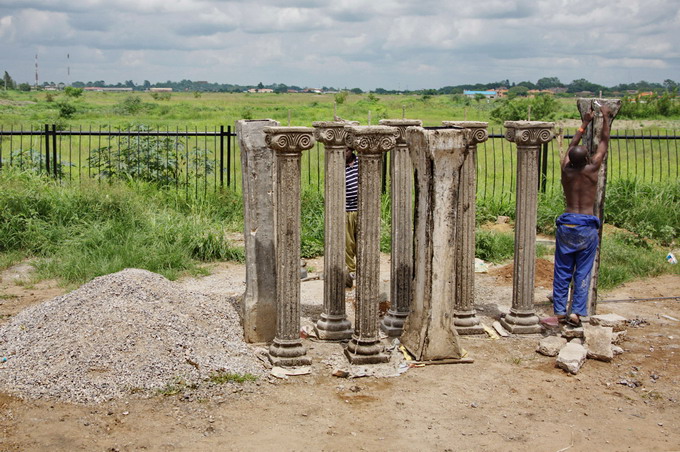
[571, 357]
[341, 373]
[616, 350]
[577, 340]
[551, 345]
[502, 219]
[619, 336]
[570, 332]
[599, 342]
[614, 321]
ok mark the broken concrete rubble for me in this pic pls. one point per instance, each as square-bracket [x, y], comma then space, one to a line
[571, 357]
[551, 345]
[599, 342]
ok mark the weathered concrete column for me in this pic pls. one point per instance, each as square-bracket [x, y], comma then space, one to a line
[437, 155]
[529, 136]
[333, 324]
[465, 316]
[288, 144]
[401, 270]
[370, 142]
[257, 169]
[590, 140]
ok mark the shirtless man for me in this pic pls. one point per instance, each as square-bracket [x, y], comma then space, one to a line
[577, 229]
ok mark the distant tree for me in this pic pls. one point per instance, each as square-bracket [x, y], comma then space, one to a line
[341, 97]
[73, 91]
[146, 84]
[479, 97]
[260, 85]
[517, 90]
[24, 87]
[8, 83]
[548, 82]
[528, 85]
[357, 91]
[78, 85]
[669, 84]
[583, 85]
[129, 84]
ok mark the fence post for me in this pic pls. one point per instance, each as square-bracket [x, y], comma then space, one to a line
[221, 156]
[47, 149]
[55, 165]
[228, 156]
[544, 167]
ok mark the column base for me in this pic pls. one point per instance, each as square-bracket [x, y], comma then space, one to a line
[333, 328]
[466, 322]
[366, 351]
[521, 322]
[288, 353]
[393, 323]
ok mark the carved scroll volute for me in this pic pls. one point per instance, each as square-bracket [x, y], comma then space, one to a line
[332, 133]
[289, 139]
[529, 133]
[400, 126]
[371, 139]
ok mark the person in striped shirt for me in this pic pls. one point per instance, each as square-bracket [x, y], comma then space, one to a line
[351, 202]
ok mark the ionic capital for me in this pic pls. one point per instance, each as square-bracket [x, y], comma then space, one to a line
[476, 132]
[401, 125]
[332, 133]
[289, 139]
[529, 133]
[371, 140]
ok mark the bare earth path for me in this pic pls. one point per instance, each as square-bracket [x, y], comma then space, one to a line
[511, 398]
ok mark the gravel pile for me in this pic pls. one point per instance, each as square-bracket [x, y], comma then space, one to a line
[125, 332]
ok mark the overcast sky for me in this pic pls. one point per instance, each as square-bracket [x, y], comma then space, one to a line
[391, 44]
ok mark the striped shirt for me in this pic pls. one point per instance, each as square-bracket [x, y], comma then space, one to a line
[352, 186]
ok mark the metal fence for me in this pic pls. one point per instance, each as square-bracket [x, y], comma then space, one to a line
[198, 161]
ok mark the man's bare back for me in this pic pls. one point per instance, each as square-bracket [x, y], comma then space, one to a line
[580, 171]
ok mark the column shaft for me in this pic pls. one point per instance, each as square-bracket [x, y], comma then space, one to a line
[401, 265]
[333, 323]
[529, 136]
[370, 143]
[288, 142]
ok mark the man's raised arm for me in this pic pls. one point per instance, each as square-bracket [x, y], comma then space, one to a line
[602, 147]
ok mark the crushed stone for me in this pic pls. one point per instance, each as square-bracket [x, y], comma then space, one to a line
[127, 332]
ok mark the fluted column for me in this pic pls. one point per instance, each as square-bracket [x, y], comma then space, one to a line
[529, 136]
[333, 323]
[437, 154]
[370, 142]
[465, 316]
[401, 270]
[288, 144]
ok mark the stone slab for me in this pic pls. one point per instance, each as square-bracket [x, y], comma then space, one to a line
[570, 332]
[599, 342]
[551, 345]
[614, 321]
[571, 357]
[521, 329]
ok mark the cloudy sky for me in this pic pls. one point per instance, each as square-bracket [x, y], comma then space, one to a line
[391, 44]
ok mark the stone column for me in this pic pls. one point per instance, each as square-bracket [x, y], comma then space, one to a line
[529, 136]
[437, 154]
[465, 316]
[590, 140]
[370, 142]
[401, 271]
[257, 169]
[333, 324]
[288, 144]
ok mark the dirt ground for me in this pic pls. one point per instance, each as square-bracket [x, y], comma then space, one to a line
[511, 398]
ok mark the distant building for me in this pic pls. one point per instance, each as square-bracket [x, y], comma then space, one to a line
[160, 90]
[100, 89]
[490, 94]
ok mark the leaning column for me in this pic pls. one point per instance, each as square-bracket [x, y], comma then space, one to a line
[437, 154]
[257, 169]
[465, 316]
[370, 142]
[529, 136]
[288, 144]
[591, 139]
[401, 274]
[333, 323]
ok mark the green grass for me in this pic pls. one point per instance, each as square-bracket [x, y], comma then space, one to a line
[230, 377]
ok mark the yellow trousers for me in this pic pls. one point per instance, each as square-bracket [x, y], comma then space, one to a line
[351, 241]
